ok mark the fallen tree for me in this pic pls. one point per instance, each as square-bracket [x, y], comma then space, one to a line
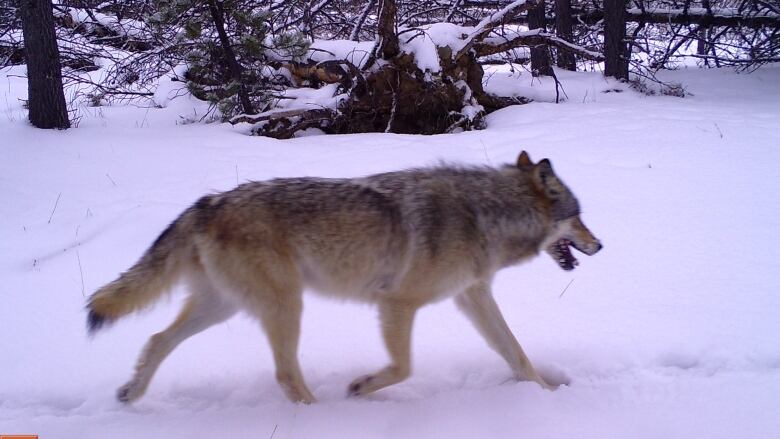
[422, 80]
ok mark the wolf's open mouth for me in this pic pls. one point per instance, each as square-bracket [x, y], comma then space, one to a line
[562, 254]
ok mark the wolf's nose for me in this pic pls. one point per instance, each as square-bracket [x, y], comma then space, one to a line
[599, 246]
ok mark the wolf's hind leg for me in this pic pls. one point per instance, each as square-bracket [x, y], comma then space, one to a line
[396, 319]
[203, 309]
[479, 306]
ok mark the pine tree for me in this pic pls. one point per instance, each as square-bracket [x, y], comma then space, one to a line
[227, 45]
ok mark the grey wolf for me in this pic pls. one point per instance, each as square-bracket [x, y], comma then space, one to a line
[400, 240]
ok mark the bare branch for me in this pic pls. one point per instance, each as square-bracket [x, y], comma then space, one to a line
[532, 38]
[486, 26]
[355, 34]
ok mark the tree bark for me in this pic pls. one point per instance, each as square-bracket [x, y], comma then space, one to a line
[388, 38]
[540, 54]
[615, 63]
[46, 99]
[563, 28]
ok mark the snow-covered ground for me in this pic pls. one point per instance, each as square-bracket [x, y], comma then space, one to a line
[672, 331]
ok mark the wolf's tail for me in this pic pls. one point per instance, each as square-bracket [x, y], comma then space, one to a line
[147, 280]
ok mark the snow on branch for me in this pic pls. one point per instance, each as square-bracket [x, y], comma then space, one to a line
[533, 38]
[284, 124]
[355, 34]
[128, 34]
[492, 21]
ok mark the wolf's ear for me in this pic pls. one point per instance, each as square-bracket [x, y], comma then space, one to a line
[545, 167]
[524, 160]
[545, 179]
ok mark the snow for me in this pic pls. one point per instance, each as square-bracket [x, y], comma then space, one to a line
[309, 98]
[670, 331]
[498, 16]
[576, 87]
[126, 27]
[355, 52]
[422, 42]
[470, 106]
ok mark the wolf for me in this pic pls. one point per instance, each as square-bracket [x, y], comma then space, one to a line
[399, 240]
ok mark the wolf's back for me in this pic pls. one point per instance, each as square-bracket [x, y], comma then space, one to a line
[147, 280]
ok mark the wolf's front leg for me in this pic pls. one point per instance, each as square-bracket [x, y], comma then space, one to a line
[281, 320]
[478, 304]
[396, 319]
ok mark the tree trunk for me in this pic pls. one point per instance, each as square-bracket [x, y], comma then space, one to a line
[563, 28]
[701, 45]
[615, 63]
[236, 70]
[540, 54]
[46, 100]
[388, 38]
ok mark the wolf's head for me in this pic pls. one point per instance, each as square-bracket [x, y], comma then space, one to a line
[567, 228]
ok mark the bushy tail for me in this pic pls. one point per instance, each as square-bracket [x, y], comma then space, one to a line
[144, 282]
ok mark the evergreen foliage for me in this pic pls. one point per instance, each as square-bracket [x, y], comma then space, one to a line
[217, 72]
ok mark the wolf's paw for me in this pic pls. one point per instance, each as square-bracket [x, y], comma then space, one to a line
[361, 386]
[554, 378]
[128, 393]
[300, 397]
[307, 400]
